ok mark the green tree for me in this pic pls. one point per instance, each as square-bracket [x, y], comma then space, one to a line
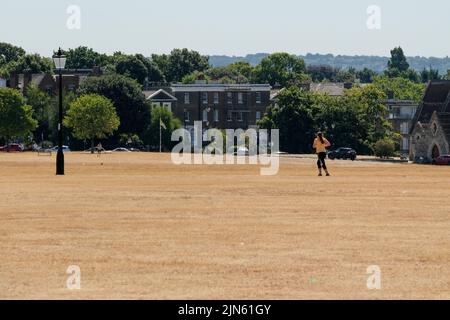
[398, 61]
[132, 67]
[154, 74]
[401, 88]
[281, 69]
[43, 107]
[429, 74]
[366, 75]
[16, 118]
[128, 99]
[85, 58]
[372, 111]
[384, 148]
[294, 118]
[10, 53]
[195, 76]
[32, 63]
[92, 117]
[151, 137]
[179, 63]
[238, 72]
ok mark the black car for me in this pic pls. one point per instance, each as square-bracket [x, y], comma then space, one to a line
[342, 153]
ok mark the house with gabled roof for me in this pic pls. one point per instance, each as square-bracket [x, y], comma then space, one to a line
[430, 135]
[161, 98]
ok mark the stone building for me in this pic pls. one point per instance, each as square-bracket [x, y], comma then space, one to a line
[430, 136]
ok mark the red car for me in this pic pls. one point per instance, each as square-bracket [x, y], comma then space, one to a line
[13, 147]
[442, 160]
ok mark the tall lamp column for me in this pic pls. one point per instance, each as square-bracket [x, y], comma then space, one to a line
[60, 62]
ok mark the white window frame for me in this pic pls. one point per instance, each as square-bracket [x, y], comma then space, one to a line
[229, 98]
[240, 97]
[240, 116]
[205, 115]
[205, 97]
[187, 98]
[216, 115]
[216, 98]
[187, 117]
[258, 97]
[229, 116]
[258, 115]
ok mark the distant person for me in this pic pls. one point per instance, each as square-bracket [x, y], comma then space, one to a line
[321, 144]
[100, 148]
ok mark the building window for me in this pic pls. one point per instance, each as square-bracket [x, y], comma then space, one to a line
[205, 97]
[229, 97]
[240, 98]
[258, 98]
[216, 115]
[205, 115]
[258, 115]
[187, 98]
[404, 128]
[216, 98]
[435, 128]
[229, 116]
[186, 116]
[405, 144]
[167, 106]
[240, 117]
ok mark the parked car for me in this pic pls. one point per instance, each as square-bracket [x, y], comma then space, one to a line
[442, 160]
[13, 147]
[64, 149]
[242, 152]
[121, 150]
[342, 153]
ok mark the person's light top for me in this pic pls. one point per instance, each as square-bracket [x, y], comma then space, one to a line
[321, 147]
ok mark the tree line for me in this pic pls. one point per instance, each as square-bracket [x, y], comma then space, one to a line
[299, 113]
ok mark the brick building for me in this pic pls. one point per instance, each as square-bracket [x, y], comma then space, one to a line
[49, 83]
[221, 106]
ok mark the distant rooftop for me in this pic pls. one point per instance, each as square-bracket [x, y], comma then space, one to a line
[220, 87]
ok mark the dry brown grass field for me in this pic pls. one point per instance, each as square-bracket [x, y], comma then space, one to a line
[140, 227]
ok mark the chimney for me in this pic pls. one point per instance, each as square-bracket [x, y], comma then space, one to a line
[390, 95]
[348, 85]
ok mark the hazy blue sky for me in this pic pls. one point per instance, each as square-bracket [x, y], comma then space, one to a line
[232, 27]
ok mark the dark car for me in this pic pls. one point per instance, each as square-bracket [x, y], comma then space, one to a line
[442, 160]
[342, 153]
[13, 147]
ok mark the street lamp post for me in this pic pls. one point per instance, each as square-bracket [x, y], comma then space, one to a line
[60, 62]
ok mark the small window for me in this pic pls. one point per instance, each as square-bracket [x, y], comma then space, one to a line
[405, 144]
[404, 128]
[216, 115]
[435, 128]
[216, 98]
[186, 116]
[240, 98]
[167, 106]
[187, 98]
[258, 115]
[229, 116]
[205, 97]
[229, 97]
[205, 115]
[240, 117]
[258, 98]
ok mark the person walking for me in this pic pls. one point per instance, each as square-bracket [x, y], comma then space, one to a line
[321, 144]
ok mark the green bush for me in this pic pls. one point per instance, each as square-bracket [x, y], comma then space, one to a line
[384, 148]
